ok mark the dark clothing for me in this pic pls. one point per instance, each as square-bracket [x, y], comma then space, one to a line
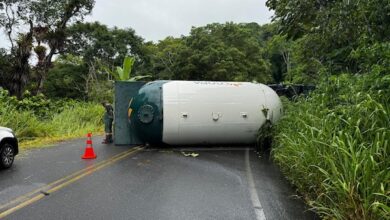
[108, 118]
[109, 111]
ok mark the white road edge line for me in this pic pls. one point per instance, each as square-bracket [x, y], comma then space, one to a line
[259, 211]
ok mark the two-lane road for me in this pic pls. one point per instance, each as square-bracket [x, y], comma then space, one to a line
[138, 183]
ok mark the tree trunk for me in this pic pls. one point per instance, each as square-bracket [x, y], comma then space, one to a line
[40, 83]
[43, 70]
[20, 65]
[286, 59]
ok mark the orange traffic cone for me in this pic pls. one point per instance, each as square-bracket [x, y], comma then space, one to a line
[89, 153]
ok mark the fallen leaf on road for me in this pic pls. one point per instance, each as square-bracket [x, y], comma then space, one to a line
[190, 154]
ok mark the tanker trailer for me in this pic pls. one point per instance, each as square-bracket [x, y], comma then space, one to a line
[202, 112]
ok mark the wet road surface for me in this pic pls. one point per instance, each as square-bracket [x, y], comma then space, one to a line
[138, 183]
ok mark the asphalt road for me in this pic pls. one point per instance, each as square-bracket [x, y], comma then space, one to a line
[137, 183]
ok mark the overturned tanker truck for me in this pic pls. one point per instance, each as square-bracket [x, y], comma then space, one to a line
[192, 112]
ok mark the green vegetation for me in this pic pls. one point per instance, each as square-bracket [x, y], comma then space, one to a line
[223, 52]
[38, 120]
[235, 52]
[330, 37]
[334, 144]
[334, 147]
[40, 28]
[123, 73]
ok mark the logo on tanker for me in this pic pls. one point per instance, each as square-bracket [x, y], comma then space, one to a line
[235, 84]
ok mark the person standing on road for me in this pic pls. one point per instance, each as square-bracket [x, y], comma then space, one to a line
[108, 118]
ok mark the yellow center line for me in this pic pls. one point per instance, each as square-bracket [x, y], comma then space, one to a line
[52, 187]
[25, 196]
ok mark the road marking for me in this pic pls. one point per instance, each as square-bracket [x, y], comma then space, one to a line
[259, 211]
[30, 198]
[45, 187]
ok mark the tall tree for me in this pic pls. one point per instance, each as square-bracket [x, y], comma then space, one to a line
[331, 31]
[98, 44]
[13, 15]
[51, 18]
[166, 58]
[214, 52]
[67, 78]
[279, 51]
[46, 22]
[5, 68]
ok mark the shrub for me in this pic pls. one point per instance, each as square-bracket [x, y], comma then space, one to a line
[334, 147]
[37, 117]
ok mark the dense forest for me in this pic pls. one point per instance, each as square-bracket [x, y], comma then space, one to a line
[230, 52]
[332, 144]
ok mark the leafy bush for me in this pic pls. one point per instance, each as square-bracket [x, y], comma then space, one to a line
[36, 116]
[66, 80]
[100, 91]
[334, 147]
[77, 119]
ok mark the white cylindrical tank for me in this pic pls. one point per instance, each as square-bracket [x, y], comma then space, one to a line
[202, 112]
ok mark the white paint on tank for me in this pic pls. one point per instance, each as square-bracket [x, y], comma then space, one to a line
[199, 112]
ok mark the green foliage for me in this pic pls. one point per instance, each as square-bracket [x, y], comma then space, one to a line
[222, 52]
[279, 51]
[5, 68]
[166, 59]
[331, 34]
[103, 49]
[334, 147]
[72, 78]
[36, 22]
[66, 80]
[128, 63]
[37, 117]
[123, 73]
[374, 58]
[101, 90]
[77, 119]
[54, 12]
[110, 46]
[39, 105]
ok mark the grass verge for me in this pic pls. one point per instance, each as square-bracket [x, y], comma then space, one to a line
[74, 120]
[334, 147]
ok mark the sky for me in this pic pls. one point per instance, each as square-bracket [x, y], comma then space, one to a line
[155, 20]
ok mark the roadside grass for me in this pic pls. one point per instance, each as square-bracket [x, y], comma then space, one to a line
[74, 120]
[334, 147]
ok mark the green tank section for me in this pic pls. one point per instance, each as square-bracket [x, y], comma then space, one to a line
[146, 112]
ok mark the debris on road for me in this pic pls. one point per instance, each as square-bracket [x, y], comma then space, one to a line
[190, 154]
[44, 193]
